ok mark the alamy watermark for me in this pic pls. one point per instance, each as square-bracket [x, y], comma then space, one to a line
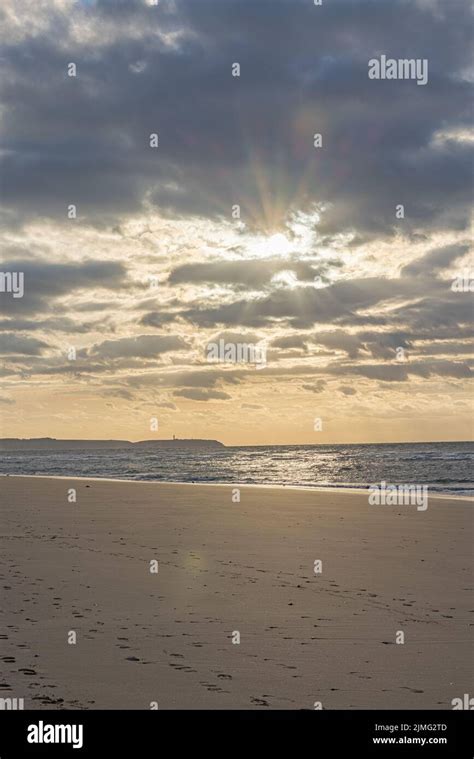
[399, 68]
[12, 704]
[237, 353]
[46, 733]
[12, 282]
[399, 495]
[465, 702]
[464, 282]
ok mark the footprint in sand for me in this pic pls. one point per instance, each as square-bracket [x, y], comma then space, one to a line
[259, 701]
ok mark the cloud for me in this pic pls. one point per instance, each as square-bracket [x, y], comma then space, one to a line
[16, 344]
[291, 341]
[339, 340]
[298, 75]
[318, 265]
[202, 379]
[119, 393]
[56, 324]
[316, 387]
[44, 282]
[235, 337]
[157, 319]
[167, 404]
[195, 394]
[401, 372]
[304, 306]
[347, 390]
[435, 260]
[252, 274]
[142, 346]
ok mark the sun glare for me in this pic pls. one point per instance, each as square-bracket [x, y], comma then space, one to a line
[268, 247]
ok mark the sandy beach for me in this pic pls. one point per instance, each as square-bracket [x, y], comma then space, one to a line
[145, 637]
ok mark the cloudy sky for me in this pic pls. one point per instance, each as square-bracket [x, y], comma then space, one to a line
[353, 303]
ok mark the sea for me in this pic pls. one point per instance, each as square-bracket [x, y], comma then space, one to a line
[444, 467]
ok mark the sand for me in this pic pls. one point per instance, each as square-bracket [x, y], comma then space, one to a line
[166, 638]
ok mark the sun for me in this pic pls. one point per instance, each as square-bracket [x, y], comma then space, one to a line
[277, 245]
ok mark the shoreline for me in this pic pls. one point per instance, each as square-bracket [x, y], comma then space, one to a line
[306, 488]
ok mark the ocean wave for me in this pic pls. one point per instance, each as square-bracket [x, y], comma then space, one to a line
[444, 468]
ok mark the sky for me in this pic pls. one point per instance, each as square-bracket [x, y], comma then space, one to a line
[159, 199]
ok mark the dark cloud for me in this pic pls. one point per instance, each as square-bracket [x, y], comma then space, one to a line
[295, 340]
[167, 69]
[402, 371]
[54, 324]
[157, 319]
[339, 340]
[44, 282]
[304, 306]
[435, 260]
[142, 346]
[252, 274]
[202, 379]
[246, 141]
[13, 344]
[448, 312]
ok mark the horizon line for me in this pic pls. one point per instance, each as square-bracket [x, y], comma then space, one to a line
[235, 445]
